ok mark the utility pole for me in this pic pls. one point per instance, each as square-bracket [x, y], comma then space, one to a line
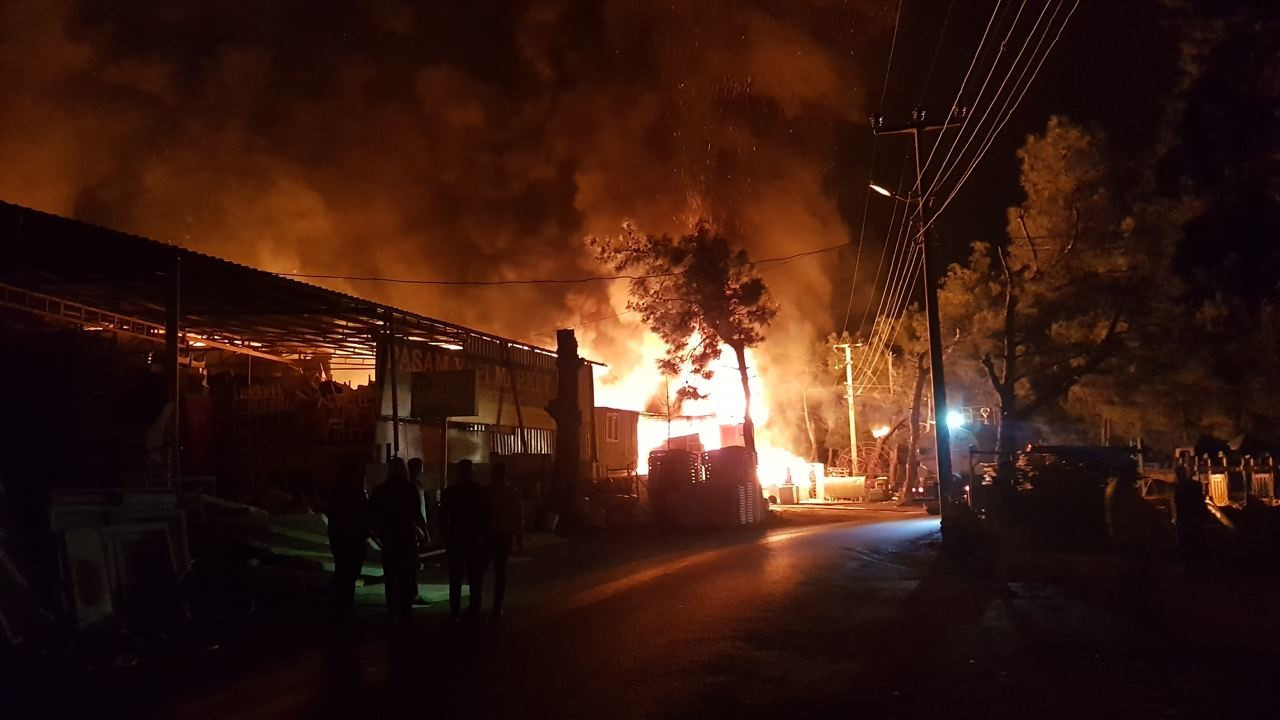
[566, 410]
[941, 433]
[853, 423]
[173, 373]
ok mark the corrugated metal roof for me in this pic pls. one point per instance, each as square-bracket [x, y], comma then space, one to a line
[129, 275]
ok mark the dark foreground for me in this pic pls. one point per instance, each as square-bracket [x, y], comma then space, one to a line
[836, 619]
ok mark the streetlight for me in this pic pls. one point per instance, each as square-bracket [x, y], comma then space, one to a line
[954, 420]
[887, 192]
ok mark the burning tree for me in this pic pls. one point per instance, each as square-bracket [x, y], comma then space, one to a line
[699, 293]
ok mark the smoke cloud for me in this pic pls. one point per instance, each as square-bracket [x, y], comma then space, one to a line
[445, 140]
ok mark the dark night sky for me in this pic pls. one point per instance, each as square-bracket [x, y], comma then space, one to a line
[484, 140]
[1109, 69]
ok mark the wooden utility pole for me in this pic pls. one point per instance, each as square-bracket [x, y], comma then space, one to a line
[173, 379]
[941, 433]
[566, 410]
[853, 422]
[392, 383]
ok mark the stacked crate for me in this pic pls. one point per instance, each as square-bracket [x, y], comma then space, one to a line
[671, 472]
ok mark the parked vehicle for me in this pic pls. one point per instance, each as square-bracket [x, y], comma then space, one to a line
[926, 493]
[1055, 493]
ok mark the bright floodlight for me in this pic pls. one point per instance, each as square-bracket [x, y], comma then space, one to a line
[879, 431]
[954, 419]
[883, 191]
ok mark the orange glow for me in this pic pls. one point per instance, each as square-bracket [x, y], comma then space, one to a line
[715, 418]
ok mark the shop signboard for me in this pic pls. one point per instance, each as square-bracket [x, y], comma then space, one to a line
[507, 393]
[444, 394]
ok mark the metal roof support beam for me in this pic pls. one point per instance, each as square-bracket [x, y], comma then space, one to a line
[87, 318]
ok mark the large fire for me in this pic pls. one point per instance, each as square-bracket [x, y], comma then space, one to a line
[709, 420]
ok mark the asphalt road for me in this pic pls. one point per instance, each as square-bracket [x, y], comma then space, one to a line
[741, 624]
[858, 618]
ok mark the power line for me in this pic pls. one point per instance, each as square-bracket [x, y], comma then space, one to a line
[1002, 122]
[884, 331]
[779, 260]
[946, 20]
[884, 247]
[1009, 114]
[901, 269]
[899, 245]
[974, 61]
[893, 43]
[550, 281]
[806, 253]
[871, 169]
[584, 323]
[893, 325]
[480, 283]
[978, 51]
[945, 171]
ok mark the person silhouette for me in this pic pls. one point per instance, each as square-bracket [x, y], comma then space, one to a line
[348, 513]
[464, 520]
[415, 479]
[397, 523]
[507, 528]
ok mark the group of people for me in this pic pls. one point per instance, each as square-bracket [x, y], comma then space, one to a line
[481, 525]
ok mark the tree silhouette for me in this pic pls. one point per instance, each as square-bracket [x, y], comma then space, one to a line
[1085, 269]
[699, 293]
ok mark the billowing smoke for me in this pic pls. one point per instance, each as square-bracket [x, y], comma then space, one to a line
[444, 140]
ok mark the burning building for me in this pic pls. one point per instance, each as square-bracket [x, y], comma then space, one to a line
[140, 373]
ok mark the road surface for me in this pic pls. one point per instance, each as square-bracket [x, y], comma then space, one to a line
[859, 618]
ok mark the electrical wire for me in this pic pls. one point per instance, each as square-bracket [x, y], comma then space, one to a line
[1007, 115]
[862, 233]
[875, 281]
[964, 83]
[946, 20]
[480, 283]
[974, 61]
[552, 281]
[893, 43]
[944, 173]
[894, 318]
[964, 124]
[891, 275]
[885, 330]
[582, 324]
[868, 376]
[892, 321]
[916, 275]
[871, 169]
[901, 281]
[895, 283]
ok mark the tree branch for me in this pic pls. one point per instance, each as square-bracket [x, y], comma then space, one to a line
[1010, 317]
[996, 383]
[1101, 353]
[1075, 233]
[1035, 256]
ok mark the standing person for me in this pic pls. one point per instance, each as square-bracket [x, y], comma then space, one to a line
[1189, 514]
[464, 520]
[415, 479]
[1136, 533]
[424, 535]
[396, 521]
[507, 529]
[348, 513]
